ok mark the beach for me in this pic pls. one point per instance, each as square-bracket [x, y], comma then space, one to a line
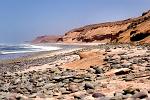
[85, 72]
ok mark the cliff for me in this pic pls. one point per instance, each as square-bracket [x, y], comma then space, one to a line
[46, 39]
[130, 30]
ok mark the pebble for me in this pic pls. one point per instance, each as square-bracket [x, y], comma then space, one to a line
[88, 86]
[98, 95]
[73, 88]
[98, 70]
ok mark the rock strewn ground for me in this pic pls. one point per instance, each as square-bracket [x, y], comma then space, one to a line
[123, 73]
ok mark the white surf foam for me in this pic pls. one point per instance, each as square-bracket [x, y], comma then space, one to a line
[31, 48]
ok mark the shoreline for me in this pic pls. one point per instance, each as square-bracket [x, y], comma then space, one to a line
[37, 58]
[60, 46]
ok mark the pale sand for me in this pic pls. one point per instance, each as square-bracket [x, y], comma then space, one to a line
[85, 59]
[88, 58]
[52, 64]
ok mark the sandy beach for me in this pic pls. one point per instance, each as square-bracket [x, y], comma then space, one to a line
[85, 72]
[75, 50]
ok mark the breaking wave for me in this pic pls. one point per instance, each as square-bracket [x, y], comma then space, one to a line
[24, 48]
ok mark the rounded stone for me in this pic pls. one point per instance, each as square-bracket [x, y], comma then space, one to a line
[140, 95]
[73, 87]
[88, 86]
[97, 95]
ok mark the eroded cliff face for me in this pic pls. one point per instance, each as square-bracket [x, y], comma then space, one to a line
[130, 30]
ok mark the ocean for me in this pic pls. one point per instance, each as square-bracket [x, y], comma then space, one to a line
[14, 51]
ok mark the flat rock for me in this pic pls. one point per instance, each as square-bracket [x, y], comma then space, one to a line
[120, 71]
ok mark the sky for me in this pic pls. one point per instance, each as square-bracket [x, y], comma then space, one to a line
[23, 20]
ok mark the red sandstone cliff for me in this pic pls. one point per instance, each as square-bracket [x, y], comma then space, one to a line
[130, 30]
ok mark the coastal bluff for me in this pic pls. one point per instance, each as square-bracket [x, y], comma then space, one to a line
[131, 30]
[125, 31]
[46, 39]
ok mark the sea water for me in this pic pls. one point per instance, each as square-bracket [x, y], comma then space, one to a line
[14, 51]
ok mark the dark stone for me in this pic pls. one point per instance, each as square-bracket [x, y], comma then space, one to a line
[122, 72]
[105, 59]
[97, 95]
[129, 91]
[98, 70]
[88, 86]
[19, 98]
[79, 96]
[148, 65]
[140, 95]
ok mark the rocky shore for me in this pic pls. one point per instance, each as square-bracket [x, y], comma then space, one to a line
[103, 72]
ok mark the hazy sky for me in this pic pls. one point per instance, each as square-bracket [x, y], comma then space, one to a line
[22, 20]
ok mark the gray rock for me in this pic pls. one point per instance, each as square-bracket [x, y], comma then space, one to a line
[124, 57]
[57, 78]
[5, 87]
[129, 91]
[91, 70]
[118, 94]
[49, 86]
[39, 84]
[79, 95]
[90, 91]
[64, 91]
[98, 70]
[17, 81]
[97, 95]
[88, 86]
[126, 65]
[135, 61]
[78, 80]
[115, 66]
[126, 96]
[18, 97]
[140, 95]
[122, 71]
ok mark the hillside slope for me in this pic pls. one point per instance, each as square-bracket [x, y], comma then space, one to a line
[130, 30]
[46, 39]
